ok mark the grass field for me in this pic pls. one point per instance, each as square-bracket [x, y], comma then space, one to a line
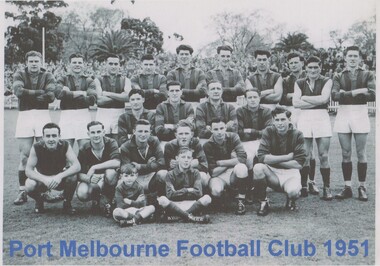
[316, 221]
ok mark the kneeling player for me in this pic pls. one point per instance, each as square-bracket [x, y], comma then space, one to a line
[131, 206]
[47, 168]
[99, 160]
[281, 154]
[184, 190]
[226, 162]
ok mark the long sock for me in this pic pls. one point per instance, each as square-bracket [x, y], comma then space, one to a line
[109, 191]
[304, 174]
[177, 211]
[36, 195]
[241, 185]
[197, 206]
[260, 190]
[69, 188]
[22, 178]
[347, 171]
[362, 171]
[325, 172]
[312, 170]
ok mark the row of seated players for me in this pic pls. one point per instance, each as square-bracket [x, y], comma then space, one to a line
[142, 160]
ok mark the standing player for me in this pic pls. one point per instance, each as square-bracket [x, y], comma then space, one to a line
[353, 88]
[230, 78]
[268, 82]
[77, 92]
[34, 88]
[281, 155]
[226, 162]
[193, 80]
[127, 121]
[311, 95]
[112, 92]
[171, 111]
[214, 107]
[153, 84]
[52, 164]
[99, 161]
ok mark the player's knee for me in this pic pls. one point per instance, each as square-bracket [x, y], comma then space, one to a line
[83, 192]
[163, 201]
[205, 200]
[293, 188]
[258, 171]
[216, 187]
[161, 176]
[117, 212]
[24, 158]
[30, 185]
[150, 209]
[110, 176]
[362, 156]
[324, 157]
[205, 179]
[346, 154]
[241, 170]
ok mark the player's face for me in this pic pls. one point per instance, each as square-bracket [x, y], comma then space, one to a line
[175, 93]
[184, 136]
[295, 64]
[128, 179]
[352, 58]
[96, 134]
[262, 62]
[51, 138]
[148, 66]
[136, 101]
[34, 64]
[113, 65]
[281, 122]
[184, 57]
[224, 58]
[215, 91]
[184, 159]
[218, 131]
[253, 99]
[76, 65]
[142, 133]
[313, 70]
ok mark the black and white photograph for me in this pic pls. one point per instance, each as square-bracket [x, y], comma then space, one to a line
[189, 132]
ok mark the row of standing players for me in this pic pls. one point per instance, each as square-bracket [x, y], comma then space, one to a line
[310, 95]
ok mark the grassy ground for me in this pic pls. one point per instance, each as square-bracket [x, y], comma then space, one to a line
[316, 221]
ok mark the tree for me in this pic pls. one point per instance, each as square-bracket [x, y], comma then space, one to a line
[363, 33]
[114, 42]
[338, 38]
[105, 20]
[294, 42]
[32, 16]
[145, 33]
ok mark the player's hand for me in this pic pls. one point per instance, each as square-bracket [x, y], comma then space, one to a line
[95, 178]
[291, 156]
[141, 198]
[230, 124]
[173, 163]
[127, 201]
[54, 182]
[40, 98]
[208, 128]
[65, 88]
[137, 166]
[190, 189]
[247, 130]
[151, 160]
[156, 91]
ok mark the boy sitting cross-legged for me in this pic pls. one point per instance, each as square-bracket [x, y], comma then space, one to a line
[131, 205]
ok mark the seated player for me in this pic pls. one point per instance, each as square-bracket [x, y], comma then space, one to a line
[127, 121]
[171, 111]
[184, 132]
[214, 107]
[131, 208]
[184, 196]
[143, 151]
[52, 164]
[252, 120]
[99, 159]
[281, 155]
[226, 162]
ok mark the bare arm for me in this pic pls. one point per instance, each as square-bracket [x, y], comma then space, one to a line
[297, 102]
[320, 99]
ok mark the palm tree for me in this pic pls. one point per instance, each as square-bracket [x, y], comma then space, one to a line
[114, 42]
[294, 42]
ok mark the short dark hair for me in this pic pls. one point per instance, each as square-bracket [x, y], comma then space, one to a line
[136, 91]
[142, 122]
[185, 149]
[128, 169]
[293, 55]
[352, 48]
[262, 52]
[184, 123]
[224, 47]
[252, 89]
[184, 47]
[147, 57]
[51, 125]
[173, 83]
[216, 120]
[32, 53]
[94, 123]
[280, 110]
[313, 59]
[76, 55]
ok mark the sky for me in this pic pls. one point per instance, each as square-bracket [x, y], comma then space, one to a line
[192, 18]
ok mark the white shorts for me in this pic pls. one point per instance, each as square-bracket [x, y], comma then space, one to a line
[314, 123]
[226, 176]
[109, 117]
[144, 180]
[185, 204]
[251, 148]
[73, 123]
[284, 175]
[30, 123]
[352, 119]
